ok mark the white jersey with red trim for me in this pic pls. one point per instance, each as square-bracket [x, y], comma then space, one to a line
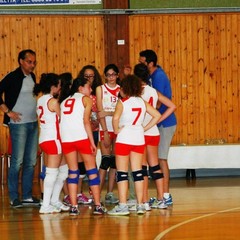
[132, 118]
[109, 102]
[48, 120]
[150, 95]
[71, 125]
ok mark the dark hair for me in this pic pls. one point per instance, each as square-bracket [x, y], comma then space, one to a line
[47, 80]
[131, 85]
[97, 81]
[141, 71]
[23, 53]
[66, 82]
[76, 84]
[150, 56]
[114, 68]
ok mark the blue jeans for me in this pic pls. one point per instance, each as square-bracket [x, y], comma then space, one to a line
[24, 139]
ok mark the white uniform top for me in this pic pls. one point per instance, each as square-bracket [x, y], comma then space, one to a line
[71, 125]
[109, 102]
[132, 118]
[150, 95]
[49, 121]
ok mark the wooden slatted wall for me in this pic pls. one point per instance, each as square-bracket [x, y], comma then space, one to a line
[62, 43]
[199, 52]
[201, 55]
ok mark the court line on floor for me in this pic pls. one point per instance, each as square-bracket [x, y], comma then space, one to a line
[166, 231]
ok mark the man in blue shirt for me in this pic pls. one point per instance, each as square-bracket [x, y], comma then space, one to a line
[159, 80]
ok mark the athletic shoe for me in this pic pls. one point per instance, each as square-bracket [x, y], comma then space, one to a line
[16, 203]
[151, 201]
[110, 198]
[61, 206]
[74, 211]
[119, 210]
[147, 206]
[66, 201]
[162, 204]
[99, 210]
[132, 208]
[83, 199]
[159, 204]
[168, 200]
[140, 209]
[31, 202]
[49, 209]
[131, 202]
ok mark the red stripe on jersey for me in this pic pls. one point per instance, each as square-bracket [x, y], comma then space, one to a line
[114, 92]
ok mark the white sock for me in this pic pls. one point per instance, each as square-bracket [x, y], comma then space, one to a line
[61, 177]
[48, 184]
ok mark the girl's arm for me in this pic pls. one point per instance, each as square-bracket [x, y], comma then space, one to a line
[155, 116]
[102, 120]
[116, 117]
[87, 103]
[54, 106]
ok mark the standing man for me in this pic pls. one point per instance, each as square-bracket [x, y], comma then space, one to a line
[19, 107]
[159, 80]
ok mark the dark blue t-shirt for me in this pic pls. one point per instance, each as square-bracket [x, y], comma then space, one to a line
[159, 80]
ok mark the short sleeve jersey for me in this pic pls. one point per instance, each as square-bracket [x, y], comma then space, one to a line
[48, 120]
[150, 95]
[132, 118]
[109, 102]
[71, 125]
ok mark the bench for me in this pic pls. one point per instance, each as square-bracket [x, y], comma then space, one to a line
[191, 157]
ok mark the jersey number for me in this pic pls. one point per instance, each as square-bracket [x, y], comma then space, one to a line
[69, 106]
[41, 114]
[138, 110]
[150, 101]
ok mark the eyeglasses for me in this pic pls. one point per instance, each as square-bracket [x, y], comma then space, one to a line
[89, 76]
[111, 75]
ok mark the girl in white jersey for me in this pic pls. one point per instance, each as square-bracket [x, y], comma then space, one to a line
[107, 96]
[48, 111]
[77, 137]
[152, 137]
[128, 125]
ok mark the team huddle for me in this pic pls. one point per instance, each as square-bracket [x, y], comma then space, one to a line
[123, 117]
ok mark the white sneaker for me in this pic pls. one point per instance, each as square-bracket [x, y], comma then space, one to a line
[147, 206]
[131, 202]
[140, 209]
[61, 206]
[119, 210]
[49, 209]
[132, 208]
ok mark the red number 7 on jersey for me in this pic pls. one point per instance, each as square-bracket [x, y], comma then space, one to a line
[138, 110]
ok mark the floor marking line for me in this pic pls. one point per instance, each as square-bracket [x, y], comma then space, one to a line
[162, 234]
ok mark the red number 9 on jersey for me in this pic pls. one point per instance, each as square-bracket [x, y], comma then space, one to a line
[69, 106]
